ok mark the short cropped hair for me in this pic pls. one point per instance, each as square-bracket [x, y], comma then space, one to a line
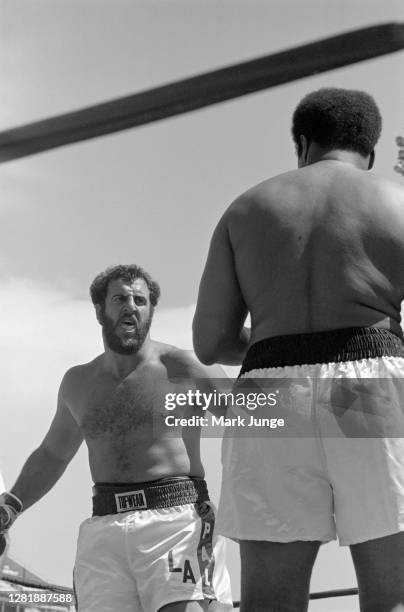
[338, 118]
[99, 286]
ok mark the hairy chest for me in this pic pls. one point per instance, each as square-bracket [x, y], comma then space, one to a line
[120, 411]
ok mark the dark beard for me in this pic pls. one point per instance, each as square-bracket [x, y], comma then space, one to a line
[128, 346]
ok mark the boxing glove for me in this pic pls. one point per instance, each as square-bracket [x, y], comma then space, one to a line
[10, 508]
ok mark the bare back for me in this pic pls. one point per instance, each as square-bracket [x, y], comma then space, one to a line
[320, 248]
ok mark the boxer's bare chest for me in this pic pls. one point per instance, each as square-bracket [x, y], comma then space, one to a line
[108, 409]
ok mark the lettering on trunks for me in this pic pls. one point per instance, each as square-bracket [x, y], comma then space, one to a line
[171, 567]
[130, 500]
[188, 574]
[206, 558]
[206, 530]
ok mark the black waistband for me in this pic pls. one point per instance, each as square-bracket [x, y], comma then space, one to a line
[109, 498]
[349, 344]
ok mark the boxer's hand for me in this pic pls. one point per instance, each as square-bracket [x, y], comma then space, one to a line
[10, 508]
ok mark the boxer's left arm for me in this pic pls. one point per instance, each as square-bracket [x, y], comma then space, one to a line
[216, 384]
[47, 463]
[212, 382]
[219, 334]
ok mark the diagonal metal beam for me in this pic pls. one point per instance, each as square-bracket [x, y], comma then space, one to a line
[202, 90]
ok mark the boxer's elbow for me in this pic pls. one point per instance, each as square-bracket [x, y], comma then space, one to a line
[205, 354]
[208, 343]
[205, 358]
[60, 455]
[62, 441]
[48, 456]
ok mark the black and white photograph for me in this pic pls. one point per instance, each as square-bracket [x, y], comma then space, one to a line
[202, 281]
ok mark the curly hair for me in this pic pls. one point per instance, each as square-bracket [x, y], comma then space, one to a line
[99, 286]
[339, 118]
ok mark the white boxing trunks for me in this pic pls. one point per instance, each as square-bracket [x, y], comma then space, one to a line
[149, 545]
[337, 465]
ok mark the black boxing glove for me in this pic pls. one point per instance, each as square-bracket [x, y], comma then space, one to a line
[10, 508]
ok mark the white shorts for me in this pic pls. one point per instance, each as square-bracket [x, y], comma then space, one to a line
[143, 560]
[328, 481]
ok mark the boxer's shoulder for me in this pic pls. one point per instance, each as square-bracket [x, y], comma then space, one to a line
[265, 197]
[177, 361]
[79, 375]
[184, 363]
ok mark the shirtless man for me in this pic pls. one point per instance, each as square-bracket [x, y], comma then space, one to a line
[149, 545]
[316, 256]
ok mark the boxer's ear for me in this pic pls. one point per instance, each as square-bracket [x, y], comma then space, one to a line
[99, 313]
[371, 159]
[304, 150]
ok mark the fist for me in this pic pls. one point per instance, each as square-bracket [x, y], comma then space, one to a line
[5, 519]
[10, 508]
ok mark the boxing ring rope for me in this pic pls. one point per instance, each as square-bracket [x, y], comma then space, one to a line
[40, 586]
[203, 90]
[62, 589]
[321, 595]
[236, 604]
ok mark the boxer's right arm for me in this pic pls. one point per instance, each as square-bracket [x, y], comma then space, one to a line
[47, 463]
[219, 335]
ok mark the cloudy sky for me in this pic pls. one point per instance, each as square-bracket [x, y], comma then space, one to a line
[150, 196]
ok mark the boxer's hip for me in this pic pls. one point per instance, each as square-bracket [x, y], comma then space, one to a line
[334, 346]
[113, 498]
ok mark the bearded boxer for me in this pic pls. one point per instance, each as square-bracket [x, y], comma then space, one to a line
[316, 256]
[150, 544]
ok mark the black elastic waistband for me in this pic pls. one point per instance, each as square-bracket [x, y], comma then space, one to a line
[349, 344]
[109, 498]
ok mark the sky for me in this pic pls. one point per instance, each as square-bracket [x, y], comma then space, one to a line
[151, 196]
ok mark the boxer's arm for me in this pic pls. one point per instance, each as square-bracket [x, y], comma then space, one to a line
[217, 385]
[218, 332]
[47, 463]
[205, 382]
[212, 382]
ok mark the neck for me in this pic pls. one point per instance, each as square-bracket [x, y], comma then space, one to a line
[121, 365]
[317, 154]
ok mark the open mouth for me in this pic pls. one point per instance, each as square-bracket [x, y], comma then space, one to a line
[128, 325]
